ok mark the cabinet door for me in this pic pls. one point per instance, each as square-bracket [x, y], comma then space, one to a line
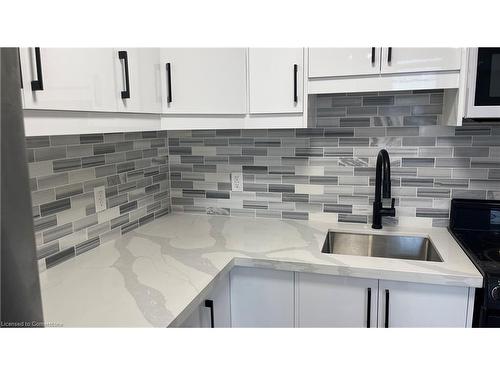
[276, 78]
[335, 62]
[261, 298]
[80, 79]
[144, 94]
[403, 304]
[407, 60]
[219, 299]
[204, 80]
[335, 301]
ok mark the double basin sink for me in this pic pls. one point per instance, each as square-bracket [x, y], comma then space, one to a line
[381, 245]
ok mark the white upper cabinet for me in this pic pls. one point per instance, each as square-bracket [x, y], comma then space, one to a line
[335, 62]
[80, 79]
[137, 76]
[403, 304]
[335, 301]
[276, 78]
[204, 80]
[409, 60]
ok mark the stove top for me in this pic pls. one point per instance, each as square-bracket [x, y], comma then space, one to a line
[483, 247]
[476, 226]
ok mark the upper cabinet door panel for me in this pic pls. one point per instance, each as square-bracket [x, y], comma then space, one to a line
[204, 80]
[80, 79]
[408, 60]
[276, 78]
[144, 90]
[336, 62]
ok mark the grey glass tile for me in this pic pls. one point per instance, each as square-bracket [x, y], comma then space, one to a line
[46, 222]
[91, 138]
[54, 207]
[66, 164]
[347, 218]
[57, 232]
[36, 142]
[296, 215]
[87, 245]
[49, 153]
[378, 100]
[59, 257]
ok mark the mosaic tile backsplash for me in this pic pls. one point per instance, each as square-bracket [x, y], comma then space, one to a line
[328, 170]
[322, 172]
[64, 170]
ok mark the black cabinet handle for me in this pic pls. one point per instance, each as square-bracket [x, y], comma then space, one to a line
[20, 70]
[369, 308]
[386, 308]
[295, 78]
[389, 55]
[37, 85]
[122, 55]
[210, 304]
[373, 55]
[169, 84]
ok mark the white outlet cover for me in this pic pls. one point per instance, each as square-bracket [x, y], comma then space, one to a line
[100, 198]
[237, 181]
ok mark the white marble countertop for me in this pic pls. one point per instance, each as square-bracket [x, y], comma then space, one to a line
[155, 275]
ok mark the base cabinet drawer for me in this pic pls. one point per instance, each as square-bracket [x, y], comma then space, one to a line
[336, 301]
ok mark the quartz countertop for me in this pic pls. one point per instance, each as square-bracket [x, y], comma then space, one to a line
[155, 275]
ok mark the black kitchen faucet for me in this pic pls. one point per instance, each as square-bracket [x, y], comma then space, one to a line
[382, 189]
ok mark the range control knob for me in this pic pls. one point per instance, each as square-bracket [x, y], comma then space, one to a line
[495, 293]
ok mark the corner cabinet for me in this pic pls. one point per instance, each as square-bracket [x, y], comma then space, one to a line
[199, 81]
[262, 297]
[214, 311]
[78, 79]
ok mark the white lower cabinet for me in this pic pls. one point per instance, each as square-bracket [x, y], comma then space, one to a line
[262, 298]
[216, 306]
[403, 304]
[257, 297]
[336, 301]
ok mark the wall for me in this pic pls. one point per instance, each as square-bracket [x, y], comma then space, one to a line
[323, 172]
[327, 171]
[63, 173]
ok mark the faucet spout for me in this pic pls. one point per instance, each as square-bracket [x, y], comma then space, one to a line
[382, 189]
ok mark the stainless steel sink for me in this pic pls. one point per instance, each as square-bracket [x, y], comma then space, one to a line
[380, 245]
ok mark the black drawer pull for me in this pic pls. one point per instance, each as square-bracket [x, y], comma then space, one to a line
[122, 55]
[373, 55]
[369, 308]
[210, 304]
[295, 79]
[389, 55]
[37, 85]
[386, 308]
[169, 84]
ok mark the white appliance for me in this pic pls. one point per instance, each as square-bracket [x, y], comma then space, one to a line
[483, 83]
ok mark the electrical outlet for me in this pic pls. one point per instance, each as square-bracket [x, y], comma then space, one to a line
[100, 198]
[236, 181]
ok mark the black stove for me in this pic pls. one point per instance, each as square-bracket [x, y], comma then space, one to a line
[475, 224]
